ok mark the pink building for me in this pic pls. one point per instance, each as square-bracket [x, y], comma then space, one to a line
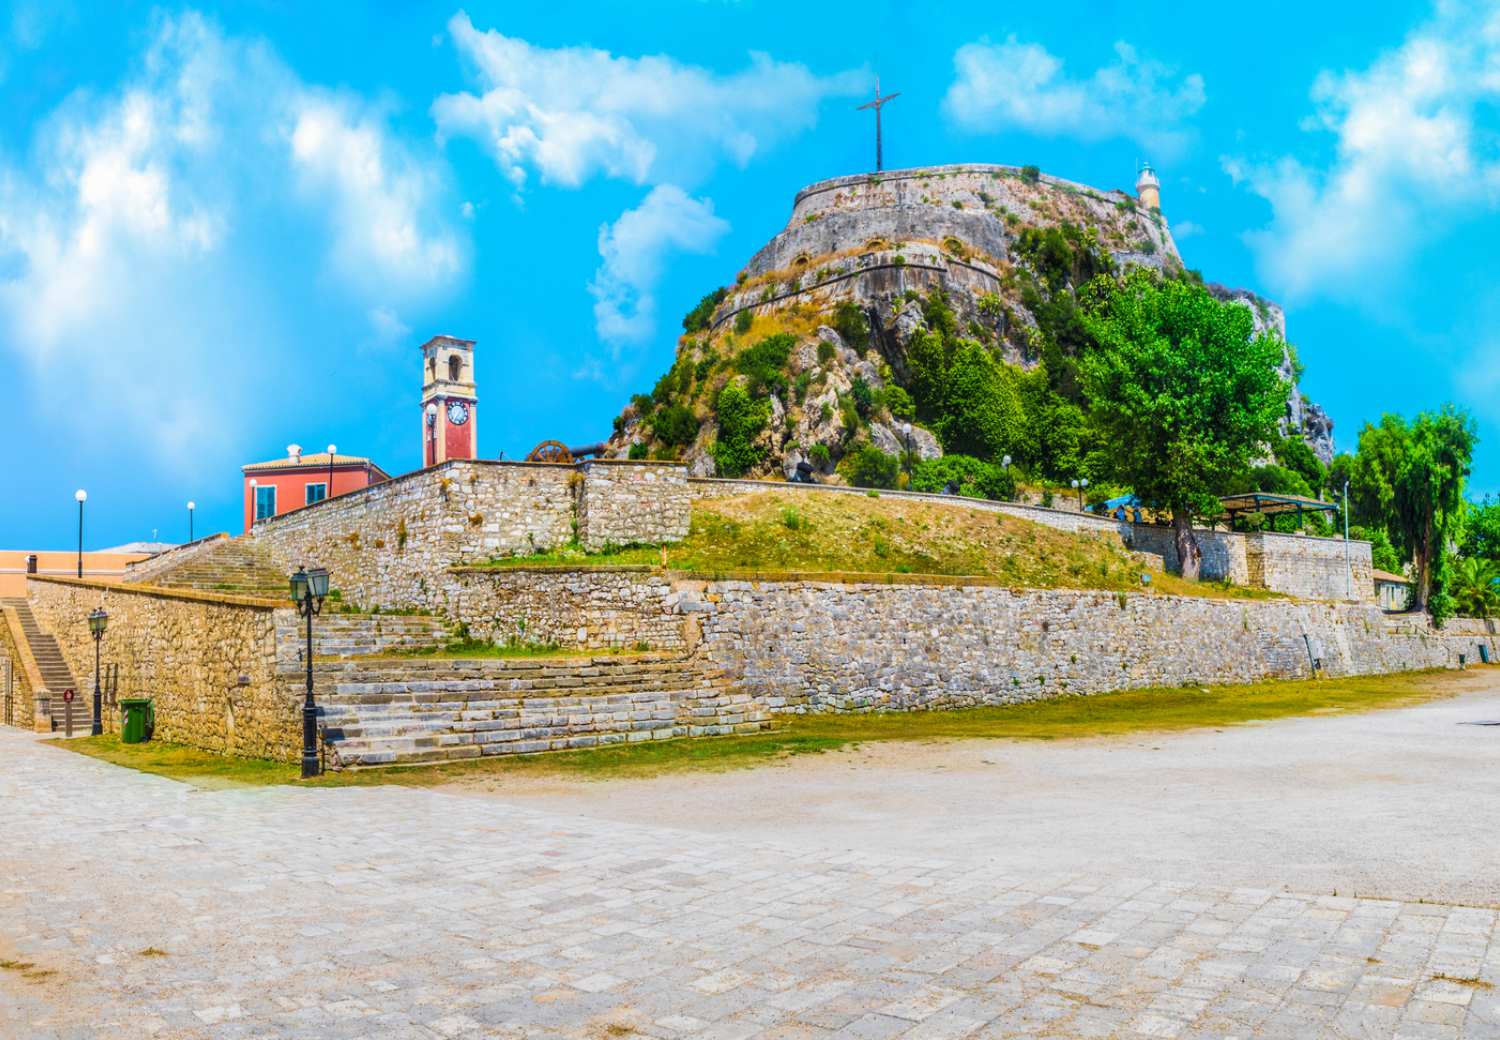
[282, 485]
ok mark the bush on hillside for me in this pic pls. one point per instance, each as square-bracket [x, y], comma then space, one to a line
[869, 467]
[975, 478]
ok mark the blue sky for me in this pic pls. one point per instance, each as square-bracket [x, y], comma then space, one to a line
[227, 229]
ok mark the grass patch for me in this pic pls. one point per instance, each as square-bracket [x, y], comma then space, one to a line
[469, 649]
[1062, 718]
[787, 531]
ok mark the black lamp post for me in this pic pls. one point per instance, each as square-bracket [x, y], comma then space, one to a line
[97, 620]
[431, 413]
[191, 506]
[1081, 486]
[308, 589]
[331, 449]
[80, 496]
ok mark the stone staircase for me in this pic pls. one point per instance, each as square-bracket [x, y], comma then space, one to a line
[393, 710]
[237, 566]
[56, 675]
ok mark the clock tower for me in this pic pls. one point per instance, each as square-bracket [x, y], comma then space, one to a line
[448, 400]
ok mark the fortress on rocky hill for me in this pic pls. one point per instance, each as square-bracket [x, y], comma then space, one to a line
[458, 549]
[880, 241]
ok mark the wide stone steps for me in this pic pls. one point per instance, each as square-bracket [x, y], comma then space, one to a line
[56, 676]
[401, 711]
[235, 566]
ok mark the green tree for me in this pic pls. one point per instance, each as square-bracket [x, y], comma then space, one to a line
[869, 467]
[740, 422]
[1474, 584]
[1182, 393]
[1410, 477]
[698, 318]
[1480, 535]
[975, 477]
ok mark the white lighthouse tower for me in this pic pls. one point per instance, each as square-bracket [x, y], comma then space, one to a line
[1148, 188]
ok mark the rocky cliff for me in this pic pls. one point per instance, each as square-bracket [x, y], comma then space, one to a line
[820, 328]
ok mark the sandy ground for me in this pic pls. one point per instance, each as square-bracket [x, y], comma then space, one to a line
[1391, 804]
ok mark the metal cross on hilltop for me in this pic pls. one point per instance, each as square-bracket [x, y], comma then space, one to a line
[876, 105]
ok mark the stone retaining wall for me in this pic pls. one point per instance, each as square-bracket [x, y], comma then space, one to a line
[209, 662]
[624, 503]
[811, 646]
[391, 545]
[593, 609]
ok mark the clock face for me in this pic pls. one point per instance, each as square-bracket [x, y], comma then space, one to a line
[458, 413]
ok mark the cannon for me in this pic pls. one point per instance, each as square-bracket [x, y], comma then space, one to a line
[557, 451]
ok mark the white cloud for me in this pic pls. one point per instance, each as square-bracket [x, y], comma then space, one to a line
[148, 252]
[388, 326]
[379, 197]
[632, 250]
[574, 113]
[1023, 86]
[1409, 160]
[1186, 229]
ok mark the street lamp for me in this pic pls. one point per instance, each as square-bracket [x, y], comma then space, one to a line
[308, 589]
[1348, 567]
[97, 620]
[906, 434]
[331, 449]
[1081, 486]
[80, 496]
[432, 432]
[191, 506]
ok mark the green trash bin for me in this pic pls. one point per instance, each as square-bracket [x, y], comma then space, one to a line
[139, 719]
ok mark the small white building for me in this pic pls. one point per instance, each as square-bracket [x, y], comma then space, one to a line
[1392, 590]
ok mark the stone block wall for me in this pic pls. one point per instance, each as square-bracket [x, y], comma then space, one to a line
[820, 646]
[391, 545]
[1317, 568]
[624, 503]
[209, 662]
[592, 608]
[1223, 551]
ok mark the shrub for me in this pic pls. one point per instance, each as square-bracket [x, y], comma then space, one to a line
[764, 364]
[851, 324]
[863, 396]
[869, 467]
[697, 319]
[1031, 174]
[825, 352]
[975, 478]
[638, 450]
[899, 402]
[740, 422]
[818, 455]
[742, 321]
[793, 520]
[675, 425]
[643, 403]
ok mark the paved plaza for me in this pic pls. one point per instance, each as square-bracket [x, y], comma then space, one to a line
[134, 906]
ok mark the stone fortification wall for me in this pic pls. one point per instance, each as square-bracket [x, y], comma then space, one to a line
[594, 609]
[391, 545]
[964, 201]
[209, 662]
[1318, 568]
[624, 503]
[1223, 551]
[816, 646]
[139, 571]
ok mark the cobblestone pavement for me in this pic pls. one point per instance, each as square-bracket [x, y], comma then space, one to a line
[135, 906]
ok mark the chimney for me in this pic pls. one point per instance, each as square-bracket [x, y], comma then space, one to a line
[294, 452]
